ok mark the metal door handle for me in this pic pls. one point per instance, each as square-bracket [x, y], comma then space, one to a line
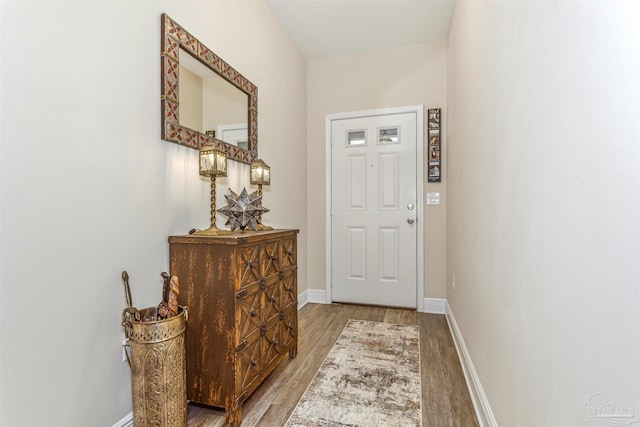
[410, 206]
[411, 220]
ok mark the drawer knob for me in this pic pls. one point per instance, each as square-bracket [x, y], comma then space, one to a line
[273, 257]
[274, 342]
[273, 300]
[253, 362]
[252, 312]
[289, 253]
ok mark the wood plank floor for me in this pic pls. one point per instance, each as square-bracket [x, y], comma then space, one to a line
[445, 398]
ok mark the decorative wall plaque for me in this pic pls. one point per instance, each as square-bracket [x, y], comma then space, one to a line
[434, 156]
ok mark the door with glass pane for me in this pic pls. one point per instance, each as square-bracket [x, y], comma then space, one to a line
[373, 210]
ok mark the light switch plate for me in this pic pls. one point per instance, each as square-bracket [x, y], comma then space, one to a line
[433, 198]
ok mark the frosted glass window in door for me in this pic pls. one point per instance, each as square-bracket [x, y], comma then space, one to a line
[356, 138]
[388, 135]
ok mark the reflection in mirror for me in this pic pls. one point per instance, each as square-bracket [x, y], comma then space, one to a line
[210, 104]
[204, 100]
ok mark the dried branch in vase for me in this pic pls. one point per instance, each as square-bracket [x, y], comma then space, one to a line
[174, 291]
[168, 307]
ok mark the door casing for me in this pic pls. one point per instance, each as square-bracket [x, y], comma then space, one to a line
[329, 118]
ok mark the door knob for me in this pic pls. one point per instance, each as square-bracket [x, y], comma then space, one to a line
[410, 206]
[411, 220]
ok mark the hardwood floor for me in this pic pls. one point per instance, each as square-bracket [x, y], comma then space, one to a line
[445, 398]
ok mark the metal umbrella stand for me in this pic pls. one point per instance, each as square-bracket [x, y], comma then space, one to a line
[158, 366]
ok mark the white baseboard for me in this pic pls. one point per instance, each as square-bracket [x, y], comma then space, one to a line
[478, 397]
[303, 299]
[435, 305]
[313, 296]
[316, 296]
[127, 421]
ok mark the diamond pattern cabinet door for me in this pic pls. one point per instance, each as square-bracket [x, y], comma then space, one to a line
[289, 326]
[270, 258]
[271, 299]
[272, 341]
[248, 265]
[288, 282]
[288, 253]
[248, 364]
[248, 312]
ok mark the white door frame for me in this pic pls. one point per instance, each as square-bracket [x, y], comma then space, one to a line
[329, 118]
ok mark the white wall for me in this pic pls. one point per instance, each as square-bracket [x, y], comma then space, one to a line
[396, 77]
[89, 189]
[544, 203]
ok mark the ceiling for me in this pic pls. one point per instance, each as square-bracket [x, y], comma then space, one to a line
[326, 28]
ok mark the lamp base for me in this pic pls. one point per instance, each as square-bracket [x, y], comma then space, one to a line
[212, 231]
[262, 227]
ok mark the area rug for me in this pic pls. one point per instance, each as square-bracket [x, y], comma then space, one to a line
[371, 377]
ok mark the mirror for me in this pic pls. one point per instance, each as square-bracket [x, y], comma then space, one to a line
[211, 105]
[204, 100]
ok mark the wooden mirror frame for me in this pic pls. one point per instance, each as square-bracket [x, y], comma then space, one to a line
[174, 38]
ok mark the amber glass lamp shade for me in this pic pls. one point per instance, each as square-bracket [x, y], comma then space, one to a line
[213, 162]
[260, 173]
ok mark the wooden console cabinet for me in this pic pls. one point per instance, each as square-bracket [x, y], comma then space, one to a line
[241, 291]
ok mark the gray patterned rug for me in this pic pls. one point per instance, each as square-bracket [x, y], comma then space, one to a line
[371, 377]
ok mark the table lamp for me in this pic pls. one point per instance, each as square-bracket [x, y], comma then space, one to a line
[260, 175]
[213, 163]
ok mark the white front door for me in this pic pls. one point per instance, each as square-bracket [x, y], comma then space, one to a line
[374, 205]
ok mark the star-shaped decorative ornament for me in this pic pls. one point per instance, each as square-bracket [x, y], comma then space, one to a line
[243, 210]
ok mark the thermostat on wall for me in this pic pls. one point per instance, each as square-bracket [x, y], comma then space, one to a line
[433, 198]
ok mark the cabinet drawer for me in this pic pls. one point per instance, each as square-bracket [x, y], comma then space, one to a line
[289, 328]
[289, 288]
[248, 364]
[270, 258]
[272, 341]
[247, 265]
[248, 312]
[271, 298]
[288, 253]
[259, 351]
